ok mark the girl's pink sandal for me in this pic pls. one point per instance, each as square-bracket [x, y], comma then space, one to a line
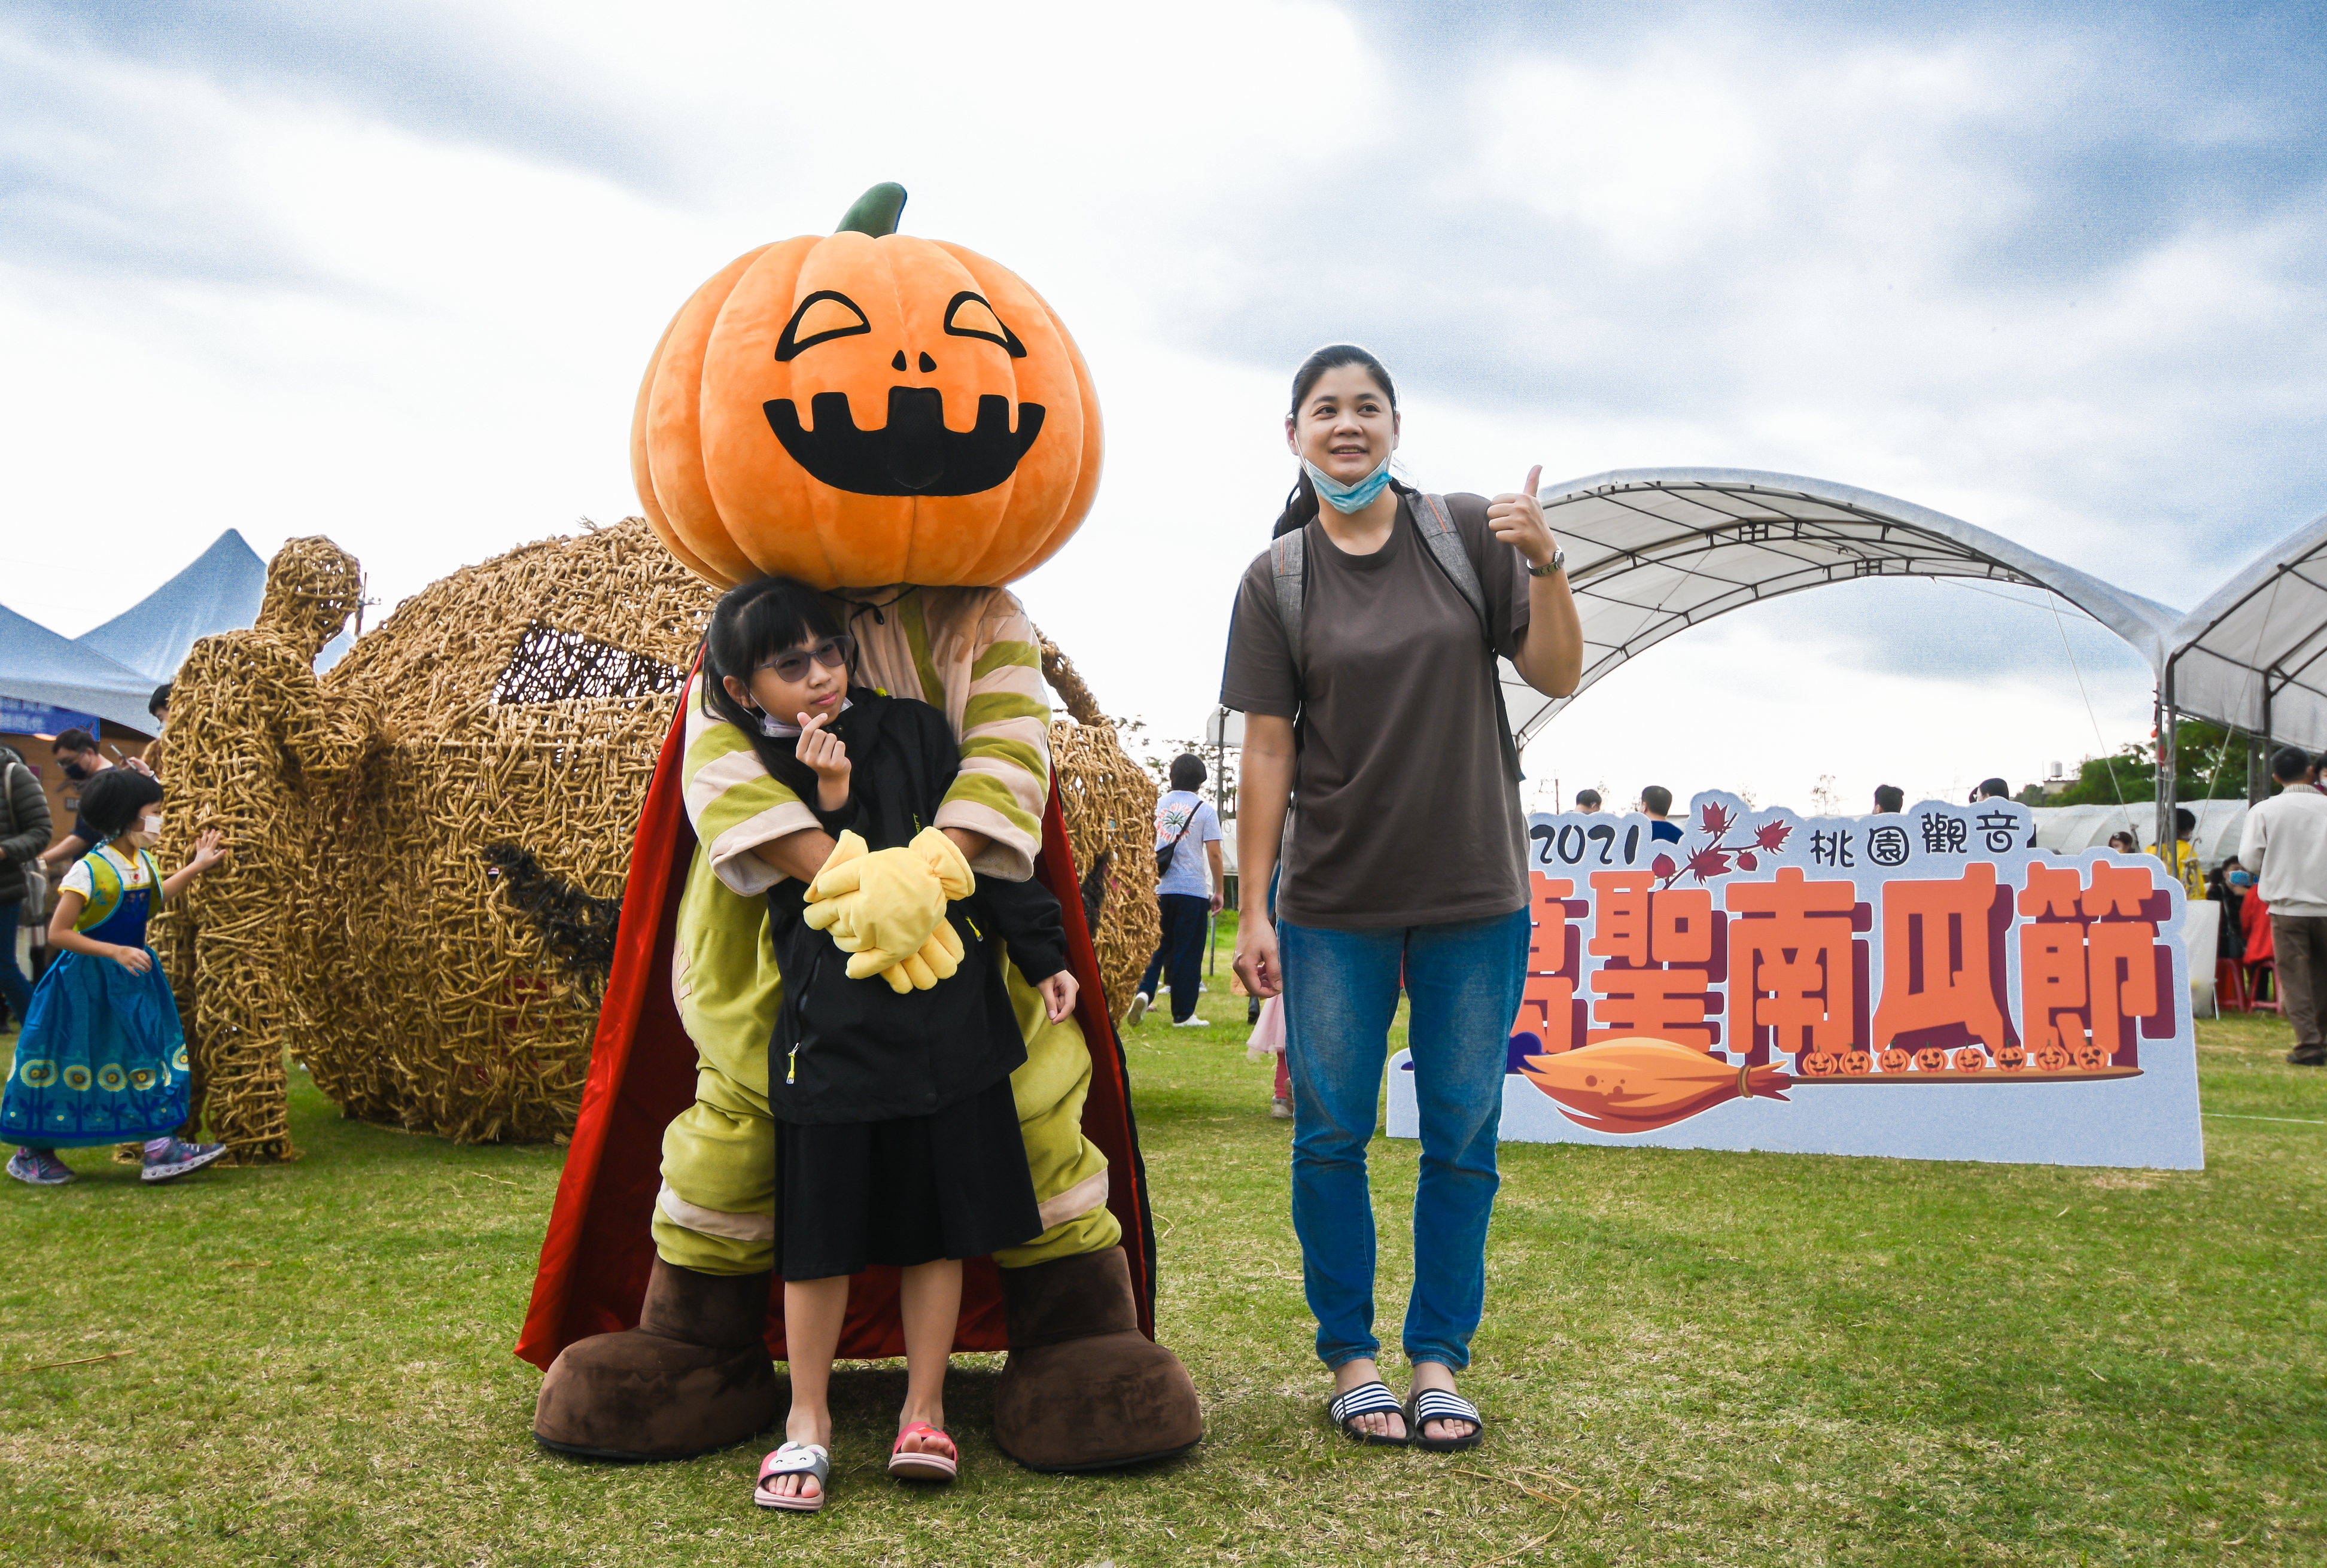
[924, 1466]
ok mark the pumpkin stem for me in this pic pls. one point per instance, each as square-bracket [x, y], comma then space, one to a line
[876, 211]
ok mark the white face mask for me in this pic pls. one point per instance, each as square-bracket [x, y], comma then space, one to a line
[152, 826]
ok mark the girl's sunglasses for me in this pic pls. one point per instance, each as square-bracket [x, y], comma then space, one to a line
[832, 653]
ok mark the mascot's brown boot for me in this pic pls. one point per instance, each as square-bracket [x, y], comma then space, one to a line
[692, 1377]
[1084, 1389]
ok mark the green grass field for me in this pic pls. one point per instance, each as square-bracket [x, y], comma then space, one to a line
[1688, 1358]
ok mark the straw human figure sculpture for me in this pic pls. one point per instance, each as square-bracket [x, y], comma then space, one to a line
[258, 751]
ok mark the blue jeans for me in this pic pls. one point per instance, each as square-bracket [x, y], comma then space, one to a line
[14, 985]
[1340, 996]
[1186, 917]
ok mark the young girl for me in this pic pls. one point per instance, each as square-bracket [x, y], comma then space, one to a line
[897, 1137]
[102, 1059]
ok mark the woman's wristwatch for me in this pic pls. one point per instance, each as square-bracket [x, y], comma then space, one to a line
[1558, 559]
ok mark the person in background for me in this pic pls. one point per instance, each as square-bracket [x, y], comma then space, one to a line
[2228, 887]
[2185, 858]
[1587, 801]
[102, 1059]
[1188, 891]
[2254, 928]
[1655, 800]
[2285, 846]
[1889, 800]
[158, 705]
[77, 753]
[2122, 843]
[23, 834]
[1990, 790]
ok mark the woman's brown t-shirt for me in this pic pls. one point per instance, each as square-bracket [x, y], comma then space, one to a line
[1406, 813]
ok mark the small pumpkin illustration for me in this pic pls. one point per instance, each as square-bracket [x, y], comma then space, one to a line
[1855, 1063]
[1821, 1064]
[2092, 1056]
[2052, 1059]
[1894, 1060]
[2012, 1057]
[1971, 1059]
[863, 408]
[1931, 1059]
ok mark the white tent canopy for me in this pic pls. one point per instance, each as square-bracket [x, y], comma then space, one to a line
[2254, 655]
[2069, 829]
[1651, 552]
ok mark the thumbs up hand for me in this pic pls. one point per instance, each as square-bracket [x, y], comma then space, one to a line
[1517, 519]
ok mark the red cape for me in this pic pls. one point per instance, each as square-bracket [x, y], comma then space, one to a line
[598, 1253]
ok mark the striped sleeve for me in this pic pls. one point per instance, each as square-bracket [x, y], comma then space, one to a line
[1006, 745]
[732, 800]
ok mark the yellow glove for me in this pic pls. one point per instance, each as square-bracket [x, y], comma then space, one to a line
[885, 906]
[938, 959]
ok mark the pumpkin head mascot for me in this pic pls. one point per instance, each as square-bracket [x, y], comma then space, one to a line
[760, 447]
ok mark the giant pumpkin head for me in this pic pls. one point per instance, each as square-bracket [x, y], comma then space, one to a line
[865, 409]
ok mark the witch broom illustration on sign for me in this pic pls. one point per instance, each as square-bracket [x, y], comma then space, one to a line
[1700, 995]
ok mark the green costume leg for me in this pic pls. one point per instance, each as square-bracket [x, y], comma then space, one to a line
[1069, 1174]
[717, 1211]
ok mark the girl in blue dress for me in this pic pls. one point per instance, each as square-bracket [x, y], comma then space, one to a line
[102, 1059]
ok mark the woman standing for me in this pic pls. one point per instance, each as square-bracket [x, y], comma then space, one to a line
[1365, 664]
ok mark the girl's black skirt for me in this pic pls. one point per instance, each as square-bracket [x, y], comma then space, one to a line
[949, 1184]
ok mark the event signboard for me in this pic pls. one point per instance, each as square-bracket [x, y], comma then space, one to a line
[21, 717]
[1925, 984]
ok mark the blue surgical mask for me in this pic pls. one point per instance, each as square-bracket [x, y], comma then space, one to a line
[1347, 498]
[2240, 879]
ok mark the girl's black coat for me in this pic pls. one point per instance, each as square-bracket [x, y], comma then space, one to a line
[853, 1050]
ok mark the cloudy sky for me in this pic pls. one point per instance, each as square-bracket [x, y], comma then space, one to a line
[391, 273]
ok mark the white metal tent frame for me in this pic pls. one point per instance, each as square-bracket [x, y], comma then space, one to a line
[2253, 656]
[1651, 552]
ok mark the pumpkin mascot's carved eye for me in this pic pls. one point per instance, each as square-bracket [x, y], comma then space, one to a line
[865, 409]
[822, 316]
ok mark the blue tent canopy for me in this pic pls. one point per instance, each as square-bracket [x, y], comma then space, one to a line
[38, 667]
[219, 591]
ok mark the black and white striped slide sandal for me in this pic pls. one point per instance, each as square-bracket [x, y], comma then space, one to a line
[1444, 1404]
[1367, 1399]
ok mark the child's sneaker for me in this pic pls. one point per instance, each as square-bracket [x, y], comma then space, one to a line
[1140, 1003]
[1280, 1109]
[167, 1159]
[41, 1168]
[1191, 1021]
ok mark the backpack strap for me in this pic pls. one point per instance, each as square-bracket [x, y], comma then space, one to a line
[1445, 547]
[1288, 564]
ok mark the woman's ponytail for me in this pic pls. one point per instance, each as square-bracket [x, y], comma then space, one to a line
[1300, 508]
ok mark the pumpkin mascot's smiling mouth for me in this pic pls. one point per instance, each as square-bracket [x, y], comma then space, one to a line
[914, 454]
